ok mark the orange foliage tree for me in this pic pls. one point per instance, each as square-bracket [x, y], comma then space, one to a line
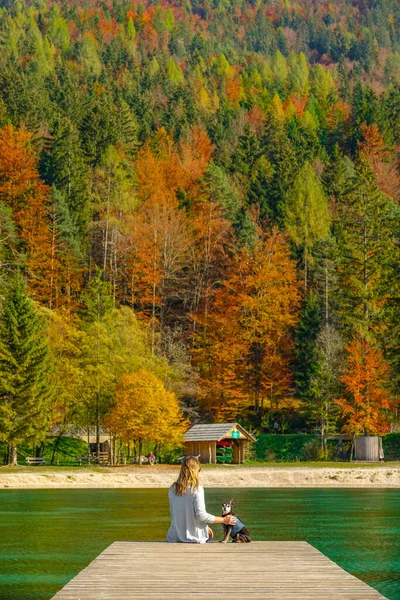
[208, 255]
[28, 198]
[243, 347]
[159, 233]
[372, 147]
[366, 399]
[145, 411]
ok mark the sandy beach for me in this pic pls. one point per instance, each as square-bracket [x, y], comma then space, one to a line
[221, 477]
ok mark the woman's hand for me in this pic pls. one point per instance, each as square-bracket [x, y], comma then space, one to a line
[229, 520]
[210, 533]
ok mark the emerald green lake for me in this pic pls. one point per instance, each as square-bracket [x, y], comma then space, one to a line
[48, 536]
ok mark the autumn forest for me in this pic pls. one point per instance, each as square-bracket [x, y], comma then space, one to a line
[199, 217]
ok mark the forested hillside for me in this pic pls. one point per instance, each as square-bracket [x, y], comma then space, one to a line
[202, 196]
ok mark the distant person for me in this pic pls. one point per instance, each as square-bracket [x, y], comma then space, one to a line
[152, 458]
[189, 519]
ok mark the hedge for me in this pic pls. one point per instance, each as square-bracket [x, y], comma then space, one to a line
[391, 446]
[296, 447]
[281, 447]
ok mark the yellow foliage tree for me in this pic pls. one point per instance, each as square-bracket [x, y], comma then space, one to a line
[145, 411]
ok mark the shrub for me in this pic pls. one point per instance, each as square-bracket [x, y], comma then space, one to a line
[391, 446]
[281, 447]
[312, 450]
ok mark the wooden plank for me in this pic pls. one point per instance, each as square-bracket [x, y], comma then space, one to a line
[260, 570]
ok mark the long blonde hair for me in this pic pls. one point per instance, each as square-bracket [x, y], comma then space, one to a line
[188, 476]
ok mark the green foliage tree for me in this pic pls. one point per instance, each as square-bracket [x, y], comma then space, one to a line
[58, 32]
[97, 300]
[307, 216]
[25, 372]
[174, 72]
[9, 256]
[89, 57]
[66, 343]
[114, 344]
[324, 384]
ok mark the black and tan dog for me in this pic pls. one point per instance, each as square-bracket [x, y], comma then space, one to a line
[237, 532]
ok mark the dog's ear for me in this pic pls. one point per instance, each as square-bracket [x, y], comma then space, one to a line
[232, 502]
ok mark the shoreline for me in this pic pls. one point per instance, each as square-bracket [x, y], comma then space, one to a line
[222, 477]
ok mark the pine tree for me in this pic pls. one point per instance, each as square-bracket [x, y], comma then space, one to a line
[25, 370]
[306, 338]
[128, 129]
[279, 151]
[368, 250]
[65, 168]
[98, 131]
[221, 192]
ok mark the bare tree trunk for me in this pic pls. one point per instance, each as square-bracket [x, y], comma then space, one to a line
[140, 451]
[305, 269]
[111, 451]
[12, 456]
[365, 270]
[326, 295]
[98, 431]
[153, 308]
[56, 443]
[107, 227]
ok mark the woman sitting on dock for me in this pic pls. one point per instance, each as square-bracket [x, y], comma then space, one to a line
[190, 520]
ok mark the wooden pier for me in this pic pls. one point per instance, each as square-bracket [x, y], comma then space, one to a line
[260, 570]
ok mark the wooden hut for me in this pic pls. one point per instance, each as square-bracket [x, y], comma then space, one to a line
[368, 448]
[219, 442]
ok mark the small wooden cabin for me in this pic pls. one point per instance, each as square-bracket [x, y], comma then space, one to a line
[218, 442]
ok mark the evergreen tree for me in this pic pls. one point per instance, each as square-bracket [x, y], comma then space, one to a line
[128, 129]
[98, 131]
[306, 338]
[65, 168]
[278, 150]
[218, 186]
[259, 187]
[365, 228]
[25, 370]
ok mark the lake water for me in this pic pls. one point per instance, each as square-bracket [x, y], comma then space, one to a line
[47, 536]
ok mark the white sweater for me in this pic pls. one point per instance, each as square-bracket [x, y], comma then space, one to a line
[189, 518]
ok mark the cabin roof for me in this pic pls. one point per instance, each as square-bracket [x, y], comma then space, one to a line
[214, 432]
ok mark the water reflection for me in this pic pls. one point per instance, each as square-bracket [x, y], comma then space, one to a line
[47, 536]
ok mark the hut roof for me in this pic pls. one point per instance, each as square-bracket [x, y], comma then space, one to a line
[215, 432]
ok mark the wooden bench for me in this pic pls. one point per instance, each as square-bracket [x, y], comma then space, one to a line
[34, 460]
[83, 459]
[101, 459]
